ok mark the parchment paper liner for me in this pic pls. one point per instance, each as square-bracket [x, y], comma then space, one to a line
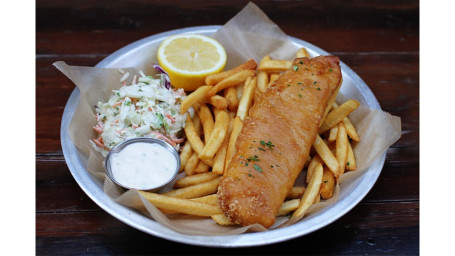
[250, 34]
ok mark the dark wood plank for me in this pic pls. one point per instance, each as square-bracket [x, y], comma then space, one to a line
[103, 27]
[389, 229]
[339, 40]
[135, 14]
[53, 178]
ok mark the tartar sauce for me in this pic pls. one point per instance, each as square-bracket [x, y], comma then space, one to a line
[143, 165]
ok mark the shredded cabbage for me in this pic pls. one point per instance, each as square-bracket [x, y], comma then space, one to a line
[146, 108]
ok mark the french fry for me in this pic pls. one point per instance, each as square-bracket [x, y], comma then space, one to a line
[230, 94]
[198, 190]
[220, 156]
[256, 94]
[333, 134]
[231, 81]
[221, 219]
[273, 78]
[247, 98]
[193, 137]
[265, 59]
[201, 168]
[317, 199]
[197, 124]
[351, 164]
[342, 147]
[263, 81]
[207, 121]
[191, 164]
[275, 65]
[311, 192]
[326, 155]
[210, 199]
[302, 53]
[236, 129]
[350, 129]
[218, 77]
[337, 115]
[295, 192]
[329, 104]
[218, 102]
[195, 179]
[185, 154]
[328, 184]
[217, 136]
[288, 206]
[194, 97]
[239, 90]
[181, 205]
[314, 161]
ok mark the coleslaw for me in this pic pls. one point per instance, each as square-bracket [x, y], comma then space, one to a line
[148, 107]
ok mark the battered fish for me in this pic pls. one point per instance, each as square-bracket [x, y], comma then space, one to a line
[276, 140]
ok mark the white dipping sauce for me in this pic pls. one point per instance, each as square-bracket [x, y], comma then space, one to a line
[143, 165]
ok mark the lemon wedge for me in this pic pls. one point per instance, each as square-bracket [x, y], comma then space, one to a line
[189, 58]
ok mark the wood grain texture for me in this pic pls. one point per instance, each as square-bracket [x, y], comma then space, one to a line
[378, 40]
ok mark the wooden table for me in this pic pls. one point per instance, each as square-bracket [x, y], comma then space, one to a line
[379, 41]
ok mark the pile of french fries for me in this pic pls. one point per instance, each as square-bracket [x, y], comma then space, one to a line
[220, 108]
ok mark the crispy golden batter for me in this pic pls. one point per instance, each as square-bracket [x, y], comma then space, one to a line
[276, 139]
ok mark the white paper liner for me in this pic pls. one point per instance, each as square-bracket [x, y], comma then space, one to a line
[250, 34]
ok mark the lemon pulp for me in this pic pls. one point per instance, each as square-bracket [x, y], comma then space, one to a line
[189, 58]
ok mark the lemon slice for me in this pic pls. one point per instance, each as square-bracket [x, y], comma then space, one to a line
[189, 58]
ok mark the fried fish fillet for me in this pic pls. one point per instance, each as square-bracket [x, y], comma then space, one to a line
[276, 139]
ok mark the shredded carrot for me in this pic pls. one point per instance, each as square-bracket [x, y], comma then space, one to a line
[161, 136]
[99, 142]
[170, 118]
[118, 103]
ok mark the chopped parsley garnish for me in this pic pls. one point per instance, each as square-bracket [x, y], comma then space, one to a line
[318, 89]
[295, 68]
[325, 181]
[249, 174]
[289, 85]
[253, 158]
[257, 168]
[263, 149]
[315, 82]
[347, 163]
[300, 95]
[300, 83]
[300, 62]
[330, 70]
[127, 103]
[268, 144]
